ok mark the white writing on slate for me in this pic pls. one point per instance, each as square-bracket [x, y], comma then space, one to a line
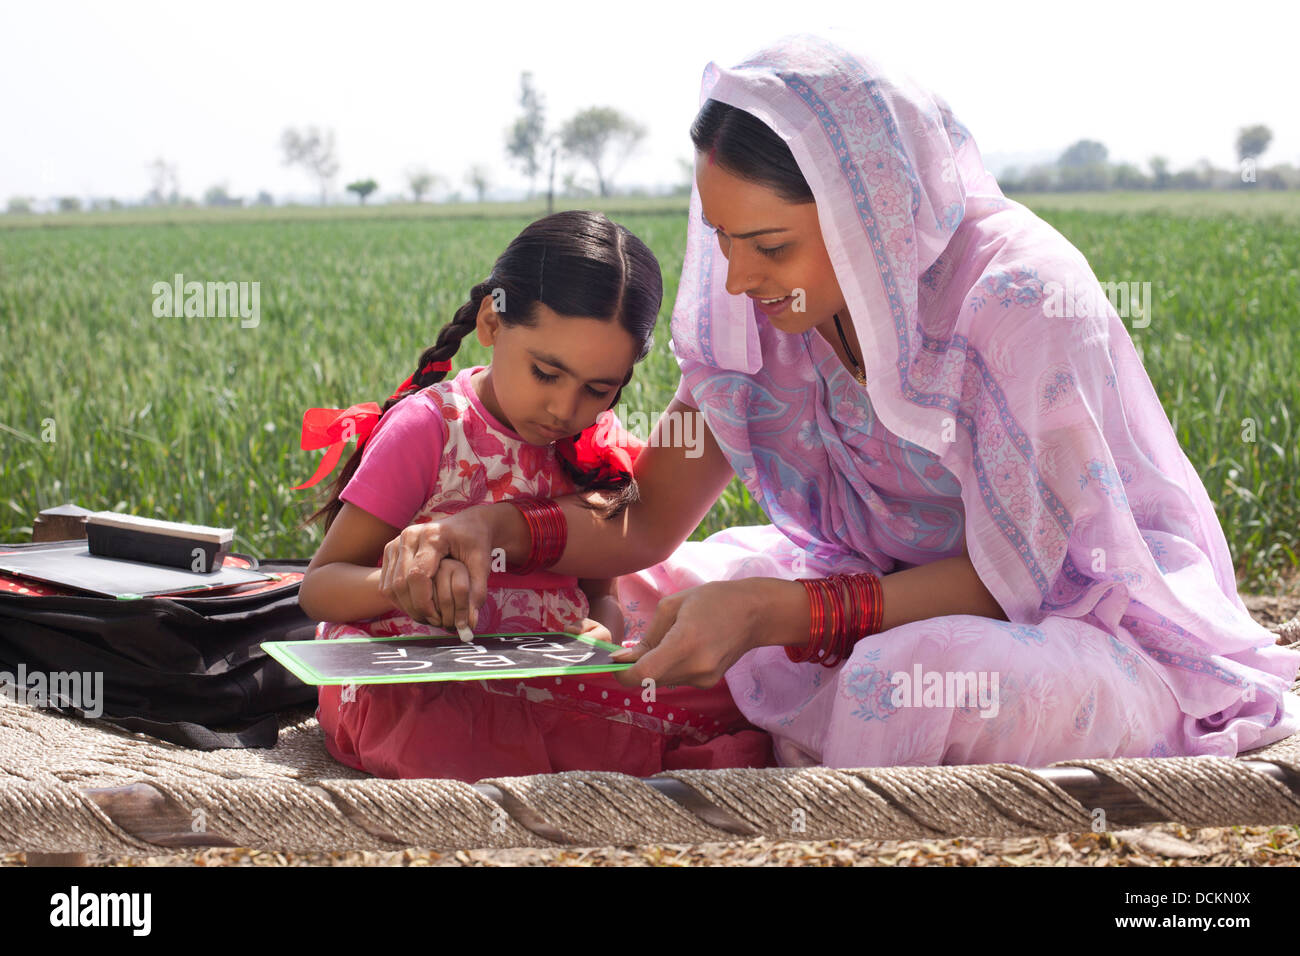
[477, 656]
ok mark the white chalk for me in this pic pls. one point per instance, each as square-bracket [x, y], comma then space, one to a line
[466, 634]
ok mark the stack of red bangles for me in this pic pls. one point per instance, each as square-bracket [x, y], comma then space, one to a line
[845, 608]
[547, 530]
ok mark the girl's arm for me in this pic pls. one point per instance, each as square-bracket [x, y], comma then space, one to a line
[342, 580]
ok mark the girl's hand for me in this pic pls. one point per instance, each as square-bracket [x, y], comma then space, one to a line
[607, 615]
[412, 574]
[698, 633]
[590, 627]
[452, 575]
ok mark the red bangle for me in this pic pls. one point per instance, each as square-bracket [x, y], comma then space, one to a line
[845, 608]
[548, 533]
[817, 608]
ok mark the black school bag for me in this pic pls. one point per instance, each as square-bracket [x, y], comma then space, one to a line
[189, 670]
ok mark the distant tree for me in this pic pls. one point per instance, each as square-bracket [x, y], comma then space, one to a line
[164, 186]
[1159, 172]
[1086, 152]
[264, 198]
[363, 188]
[1187, 179]
[69, 204]
[526, 139]
[551, 150]
[603, 137]
[1128, 176]
[1083, 166]
[574, 187]
[19, 205]
[219, 195]
[1252, 141]
[420, 181]
[1281, 176]
[1040, 179]
[314, 151]
[478, 178]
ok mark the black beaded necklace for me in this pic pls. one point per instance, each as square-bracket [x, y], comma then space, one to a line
[858, 372]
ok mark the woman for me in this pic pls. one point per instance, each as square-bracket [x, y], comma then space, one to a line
[867, 327]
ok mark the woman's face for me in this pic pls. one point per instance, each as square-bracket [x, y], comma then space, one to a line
[551, 381]
[774, 249]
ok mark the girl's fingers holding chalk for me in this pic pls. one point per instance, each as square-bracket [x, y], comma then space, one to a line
[478, 564]
[446, 601]
[459, 577]
[420, 597]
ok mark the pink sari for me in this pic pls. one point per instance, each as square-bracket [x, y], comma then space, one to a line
[989, 418]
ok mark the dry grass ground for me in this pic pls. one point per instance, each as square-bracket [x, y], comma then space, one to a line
[1163, 845]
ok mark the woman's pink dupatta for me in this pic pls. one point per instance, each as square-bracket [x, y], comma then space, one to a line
[1078, 500]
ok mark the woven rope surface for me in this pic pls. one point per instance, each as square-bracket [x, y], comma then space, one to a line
[296, 797]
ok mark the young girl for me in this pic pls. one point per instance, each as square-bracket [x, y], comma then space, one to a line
[568, 310]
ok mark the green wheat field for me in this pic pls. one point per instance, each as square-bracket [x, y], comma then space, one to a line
[198, 419]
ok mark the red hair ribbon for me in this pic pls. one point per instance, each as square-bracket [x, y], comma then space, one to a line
[444, 366]
[331, 428]
[605, 447]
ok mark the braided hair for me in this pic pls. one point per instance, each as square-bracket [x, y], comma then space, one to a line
[576, 263]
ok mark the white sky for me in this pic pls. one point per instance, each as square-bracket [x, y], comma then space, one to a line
[91, 92]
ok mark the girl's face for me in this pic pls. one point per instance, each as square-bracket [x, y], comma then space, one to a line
[551, 381]
[774, 249]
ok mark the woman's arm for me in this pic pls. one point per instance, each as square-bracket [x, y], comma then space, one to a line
[676, 492]
[698, 633]
[342, 580]
[677, 488]
[938, 589]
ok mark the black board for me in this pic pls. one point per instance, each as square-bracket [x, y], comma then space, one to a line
[395, 660]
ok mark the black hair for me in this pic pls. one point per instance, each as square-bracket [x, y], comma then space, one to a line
[576, 263]
[744, 145]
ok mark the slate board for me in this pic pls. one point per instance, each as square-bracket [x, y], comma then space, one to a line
[71, 564]
[399, 660]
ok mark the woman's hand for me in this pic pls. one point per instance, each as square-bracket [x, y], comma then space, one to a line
[417, 580]
[698, 633]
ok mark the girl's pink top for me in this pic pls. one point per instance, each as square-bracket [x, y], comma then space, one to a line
[440, 451]
[435, 453]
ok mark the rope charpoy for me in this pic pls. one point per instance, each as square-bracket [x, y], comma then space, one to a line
[74, 786]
